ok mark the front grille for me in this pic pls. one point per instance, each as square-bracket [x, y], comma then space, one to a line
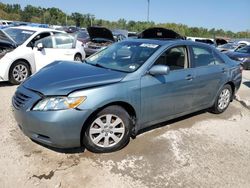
[19, 100]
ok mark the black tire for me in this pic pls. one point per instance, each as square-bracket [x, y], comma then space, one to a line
[78, 57]
[117, 113]
[24, 72]
[218, 106]
[246, 66]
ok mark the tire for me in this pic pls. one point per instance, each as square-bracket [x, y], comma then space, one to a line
[102, 138]
[78, 57]
[246, 66]
[19, 71]
[223, 100]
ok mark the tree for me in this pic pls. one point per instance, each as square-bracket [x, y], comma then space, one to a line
[77, 17]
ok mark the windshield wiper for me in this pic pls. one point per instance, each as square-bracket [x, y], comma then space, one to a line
[95, 64]
[99, 65]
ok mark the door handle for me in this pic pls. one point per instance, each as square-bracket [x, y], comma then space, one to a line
[189, 77]
[224, 70]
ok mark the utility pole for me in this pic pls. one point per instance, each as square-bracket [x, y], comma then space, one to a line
[66, 20]
[148, 11]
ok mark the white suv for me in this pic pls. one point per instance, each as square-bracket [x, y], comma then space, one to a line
[24, 50]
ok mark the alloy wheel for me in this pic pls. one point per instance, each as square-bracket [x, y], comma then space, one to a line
[107, 130]
[224, 99]
[20, 73]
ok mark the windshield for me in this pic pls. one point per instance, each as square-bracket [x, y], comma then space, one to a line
[245, 49]
[18, 35]
[126, 56]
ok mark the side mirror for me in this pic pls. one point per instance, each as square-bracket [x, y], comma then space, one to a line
[159, 70]
[39, 46]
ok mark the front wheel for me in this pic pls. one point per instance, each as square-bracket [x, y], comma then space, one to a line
[108, 131]
[19, 71]
[223, 100]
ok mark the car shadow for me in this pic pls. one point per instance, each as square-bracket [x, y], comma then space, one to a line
[169, 122]
[162, 124]
[247, 83]
[6, 84]
[62, 150]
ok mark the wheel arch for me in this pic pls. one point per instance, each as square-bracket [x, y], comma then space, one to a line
[128, 107]
[232, 87]
[78, 53]
[21, 59]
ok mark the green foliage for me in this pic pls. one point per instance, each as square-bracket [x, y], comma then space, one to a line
[55, 16]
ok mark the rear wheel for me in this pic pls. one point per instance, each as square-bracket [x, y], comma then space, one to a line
[108, 131]
[18, 72]
[78, 57]
[223, 100]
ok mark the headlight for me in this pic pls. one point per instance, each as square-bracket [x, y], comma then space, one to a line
[4, 51]
[58, 103]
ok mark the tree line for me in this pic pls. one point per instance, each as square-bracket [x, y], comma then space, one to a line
[55, 16]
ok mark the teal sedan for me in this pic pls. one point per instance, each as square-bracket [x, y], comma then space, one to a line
[129, 86]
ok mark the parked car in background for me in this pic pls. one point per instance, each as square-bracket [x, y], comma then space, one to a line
[230, 47]
[38, 25]
[119, 34]
[5, 23]
[71, 29]
[244, 42]
[33, 48]
[159, 33]
[100, 37]
[82, 36]
[122, 89]
[132, 34]
[211, 41]
[242, 55]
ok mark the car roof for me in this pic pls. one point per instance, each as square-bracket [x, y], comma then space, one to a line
[36, 29]
[168, 42]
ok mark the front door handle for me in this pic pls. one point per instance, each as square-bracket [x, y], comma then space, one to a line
[189, 77]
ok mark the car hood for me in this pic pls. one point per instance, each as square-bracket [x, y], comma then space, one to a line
[4, 37]
[100, 32]
[7, 44]
[62, 78]
[237, 54]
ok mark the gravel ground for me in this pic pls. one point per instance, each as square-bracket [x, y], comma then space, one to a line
[199, 150]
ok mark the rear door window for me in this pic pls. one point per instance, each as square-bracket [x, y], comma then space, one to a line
[64, 41]
[202, 56]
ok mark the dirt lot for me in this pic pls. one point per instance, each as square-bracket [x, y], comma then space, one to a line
[200, 150]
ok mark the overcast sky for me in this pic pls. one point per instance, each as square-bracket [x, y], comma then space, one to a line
[231, 15]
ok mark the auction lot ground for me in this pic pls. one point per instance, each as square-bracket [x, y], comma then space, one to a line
[200, 150]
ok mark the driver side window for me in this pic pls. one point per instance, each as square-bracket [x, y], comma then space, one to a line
[175, 58]
[37, 39]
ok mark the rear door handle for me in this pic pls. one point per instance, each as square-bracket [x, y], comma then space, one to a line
[189, 77]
